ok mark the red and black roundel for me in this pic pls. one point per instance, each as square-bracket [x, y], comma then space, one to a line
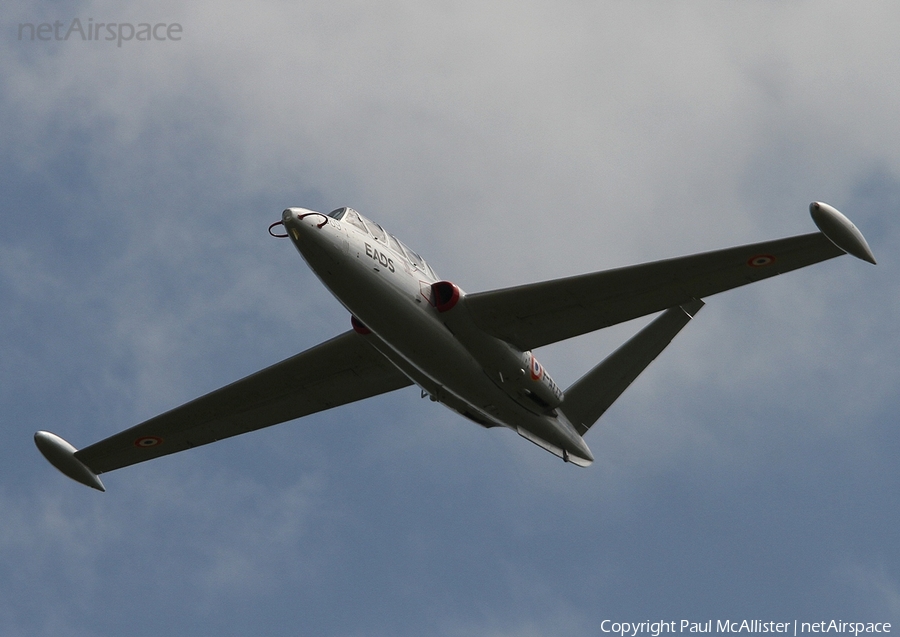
[148, 441]
[537, 371]
[760, 260]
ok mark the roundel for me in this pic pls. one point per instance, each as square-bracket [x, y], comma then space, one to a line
[760, 260]
[148, 441]
[536, 370]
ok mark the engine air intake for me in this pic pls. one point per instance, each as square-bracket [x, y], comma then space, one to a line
[446, 295]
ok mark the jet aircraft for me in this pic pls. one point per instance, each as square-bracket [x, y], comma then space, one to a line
[471, 352]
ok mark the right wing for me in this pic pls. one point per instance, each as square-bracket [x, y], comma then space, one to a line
[339, 371]
[529, 316]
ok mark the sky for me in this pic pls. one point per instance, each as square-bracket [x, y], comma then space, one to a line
[750, 473]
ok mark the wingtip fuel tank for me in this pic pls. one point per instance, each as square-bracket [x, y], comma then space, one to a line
[841, 231]
[61, 455]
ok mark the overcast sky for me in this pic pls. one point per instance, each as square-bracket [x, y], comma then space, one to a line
[750, 473]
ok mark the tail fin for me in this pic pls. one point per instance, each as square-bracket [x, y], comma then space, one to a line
[593, 393]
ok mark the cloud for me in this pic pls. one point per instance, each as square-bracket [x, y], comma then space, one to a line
[507, 142]
[875, 585]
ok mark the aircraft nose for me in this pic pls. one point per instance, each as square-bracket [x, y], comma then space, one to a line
[300, 217]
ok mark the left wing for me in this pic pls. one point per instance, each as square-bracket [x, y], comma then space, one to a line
[339, 371]
[529, 316]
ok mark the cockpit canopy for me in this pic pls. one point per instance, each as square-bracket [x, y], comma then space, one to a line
[369, 227]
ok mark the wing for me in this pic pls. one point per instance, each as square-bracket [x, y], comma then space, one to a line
[530, 316]
[339, 371]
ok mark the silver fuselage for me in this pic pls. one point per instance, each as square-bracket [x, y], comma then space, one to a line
[437, 347]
